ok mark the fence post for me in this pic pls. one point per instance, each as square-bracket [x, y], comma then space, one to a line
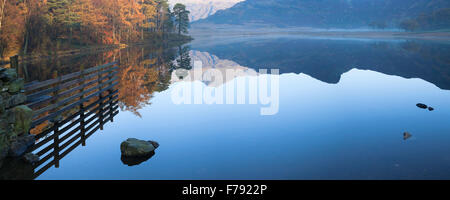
[110, 91]
[82, 111]
[14, 60]
[56, 144]
[56, 119]
[100, 96]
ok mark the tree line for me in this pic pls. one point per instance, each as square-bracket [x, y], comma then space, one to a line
[32, 26]
[439, 19]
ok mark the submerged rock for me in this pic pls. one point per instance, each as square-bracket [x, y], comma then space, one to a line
[421, 105]
[430, 108]
[406, 135]
[137, 148]
[20, 145]
[7, 75]
[31, 158]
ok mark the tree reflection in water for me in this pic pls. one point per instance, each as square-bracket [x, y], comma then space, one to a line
[141, 76]
[143, 70]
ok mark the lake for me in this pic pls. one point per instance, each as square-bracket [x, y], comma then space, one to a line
[343, 106]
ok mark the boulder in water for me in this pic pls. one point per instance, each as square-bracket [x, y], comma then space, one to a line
[421, 105]
[430, 108]
[20, 145]
[31, 158]
[137, 148]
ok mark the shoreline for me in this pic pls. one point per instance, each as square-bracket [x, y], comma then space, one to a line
[232, 30]
[91, 49]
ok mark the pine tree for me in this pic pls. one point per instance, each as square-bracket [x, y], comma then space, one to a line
[181, 18]
[184, 60]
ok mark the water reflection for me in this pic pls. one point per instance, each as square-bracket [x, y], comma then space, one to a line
[327, 60]
[209, 62]
[54, 144]
[146, 70]
[184, 59]
[335, 121]
[143, 70]
[132, 161]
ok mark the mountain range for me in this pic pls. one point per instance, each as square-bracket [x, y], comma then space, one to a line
[209, 62]
[327, 60]
[201, 9]
[325, 13]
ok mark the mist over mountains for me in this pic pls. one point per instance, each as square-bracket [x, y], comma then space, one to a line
[331, 13]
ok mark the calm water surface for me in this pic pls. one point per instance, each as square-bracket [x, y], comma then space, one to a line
[344, 106]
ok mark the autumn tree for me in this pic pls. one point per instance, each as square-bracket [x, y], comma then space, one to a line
[11, 27]
[149, 10]
[2, 11]
[36, 33]
[36, 26]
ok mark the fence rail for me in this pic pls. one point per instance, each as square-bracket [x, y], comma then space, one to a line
[65, 138]
[72, 107]
[37, 85]
[50, 98]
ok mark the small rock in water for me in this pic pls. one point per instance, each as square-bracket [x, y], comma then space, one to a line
[31, 158]
[430, 108]
[136, 148]
[421, 105]
[20, 145]
[406, 135]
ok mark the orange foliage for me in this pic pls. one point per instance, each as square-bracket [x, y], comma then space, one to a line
[32, 25]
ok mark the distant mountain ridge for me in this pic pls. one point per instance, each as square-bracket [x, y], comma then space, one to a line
[210, 61]
[325, 13]
[201, 9]
[327, 60]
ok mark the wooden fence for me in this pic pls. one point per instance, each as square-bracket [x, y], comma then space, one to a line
[68, 109]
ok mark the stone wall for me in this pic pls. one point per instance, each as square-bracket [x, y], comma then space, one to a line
[15, 117]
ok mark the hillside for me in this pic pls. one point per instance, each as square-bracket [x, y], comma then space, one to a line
[327, 60]
[326, 13]
[201, 9]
